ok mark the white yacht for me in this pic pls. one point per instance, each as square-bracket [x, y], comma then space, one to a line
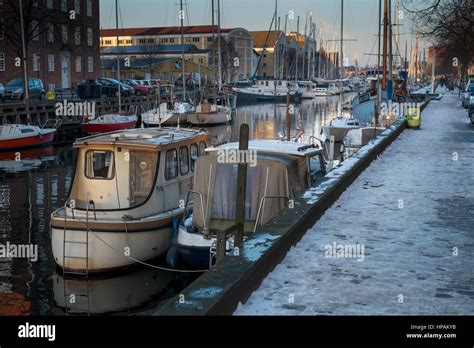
[268, 90]
[339, 127]
[124, 197]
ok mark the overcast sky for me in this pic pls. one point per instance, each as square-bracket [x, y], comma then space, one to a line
[360, 18]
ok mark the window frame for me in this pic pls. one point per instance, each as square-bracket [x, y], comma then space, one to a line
[180, 161]
[176, 167]
[112, 161]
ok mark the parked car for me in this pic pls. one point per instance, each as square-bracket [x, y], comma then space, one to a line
[110, 87]
[466, 95]
[137, 88]
[14, 89]
[2, 93]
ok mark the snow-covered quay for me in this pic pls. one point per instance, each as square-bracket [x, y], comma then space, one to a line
[406, 226]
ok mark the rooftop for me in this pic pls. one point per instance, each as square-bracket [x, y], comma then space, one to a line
[154, 31]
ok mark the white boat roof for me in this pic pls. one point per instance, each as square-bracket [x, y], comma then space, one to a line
[275, 146]
[151, 137]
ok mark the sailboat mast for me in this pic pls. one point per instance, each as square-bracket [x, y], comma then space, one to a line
[181, 17]
[390, 52]
[219, 53]
[275, 48]
[379, 85]
[213, 65]
[341, 59]
[118, 56]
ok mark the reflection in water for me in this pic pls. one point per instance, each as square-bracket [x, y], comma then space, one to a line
[32, 188]
[123, 293]
[266, 121]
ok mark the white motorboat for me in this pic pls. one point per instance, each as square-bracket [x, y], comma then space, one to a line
[361, 136]
[279, 171]
[268, 90]
[339, 127]
[124, 197]
[207, 114]
[157, 116]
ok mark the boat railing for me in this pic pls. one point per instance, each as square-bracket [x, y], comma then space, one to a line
[260, 207]
[52, 123]
[205, 228]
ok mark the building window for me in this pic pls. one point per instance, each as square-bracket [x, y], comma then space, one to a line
[90, 64]
[64, 34]
[2, 61]
[77, 6]
[89, 8]
[36, 62]
[36, 30]
[129, 41]
[50, 34]
[209, 39]
[77, 36]
[171, 40]
[50, 62]
[151, 41]
[2, 29]
[142, 41]
[64, 5]
[89, 36]
[108, 42]
[78, 64]
[49, 4]
[120, 42]
[196, 39]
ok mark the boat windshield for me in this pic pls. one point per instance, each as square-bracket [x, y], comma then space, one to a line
[114, 180]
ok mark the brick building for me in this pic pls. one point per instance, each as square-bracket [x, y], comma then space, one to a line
[62, 39]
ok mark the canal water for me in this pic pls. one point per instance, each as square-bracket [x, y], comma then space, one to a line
[37, 184]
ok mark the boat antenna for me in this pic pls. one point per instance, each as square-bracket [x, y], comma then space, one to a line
[219, 54]
[341, 59]
[181, 16]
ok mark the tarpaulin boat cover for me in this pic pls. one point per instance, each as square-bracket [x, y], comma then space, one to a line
[273, 176]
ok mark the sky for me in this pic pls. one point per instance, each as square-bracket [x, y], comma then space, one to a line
[360, 18]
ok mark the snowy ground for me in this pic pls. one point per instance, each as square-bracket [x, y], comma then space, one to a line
[413, 212]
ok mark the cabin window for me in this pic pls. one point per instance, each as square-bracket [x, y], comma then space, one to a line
[171, 166]
[27, 131]
[266, 83]
[279, 83]
[202, 149]
[142, 172]
[184, 160]
[99, 165]
[194, 155]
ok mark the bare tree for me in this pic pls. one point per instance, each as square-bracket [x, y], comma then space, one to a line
[449, 23]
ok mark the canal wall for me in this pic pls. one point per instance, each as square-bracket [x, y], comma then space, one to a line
[220, 290]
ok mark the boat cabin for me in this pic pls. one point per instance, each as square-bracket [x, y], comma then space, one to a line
[149, 168]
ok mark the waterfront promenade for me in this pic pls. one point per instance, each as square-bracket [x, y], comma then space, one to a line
[411, 214]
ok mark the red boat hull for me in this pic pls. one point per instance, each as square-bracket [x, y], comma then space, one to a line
[94, 128]
[26, 142]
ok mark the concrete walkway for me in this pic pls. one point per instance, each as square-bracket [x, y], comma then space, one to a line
[412, 212]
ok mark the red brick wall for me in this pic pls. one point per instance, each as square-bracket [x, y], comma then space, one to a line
[45, 48]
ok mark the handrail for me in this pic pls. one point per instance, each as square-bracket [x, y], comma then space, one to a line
[262, 201]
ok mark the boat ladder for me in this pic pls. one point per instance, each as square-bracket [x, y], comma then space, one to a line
[82, 244]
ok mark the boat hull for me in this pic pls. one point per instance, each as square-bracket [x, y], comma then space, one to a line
[106, 250]
[27, 142]
[244, 97]
[209, 119]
